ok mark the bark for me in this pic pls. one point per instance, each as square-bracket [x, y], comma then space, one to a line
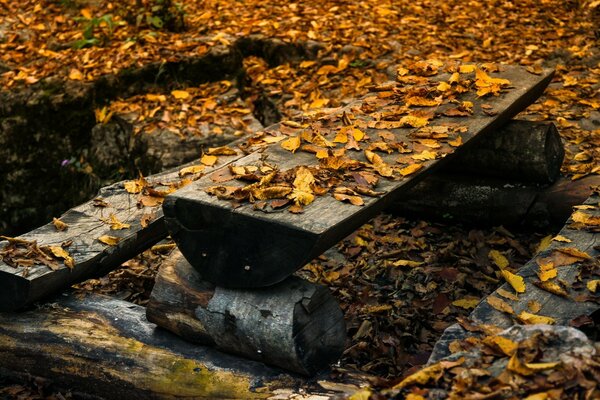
[295, 325]
[106, 348]
[524, 151]
[487, 201]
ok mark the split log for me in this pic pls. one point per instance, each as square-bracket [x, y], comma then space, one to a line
[295, 325]
[488, 201]
[524, 151]
[85, 224]
[566, 299]
[106, 348]
[245, 247]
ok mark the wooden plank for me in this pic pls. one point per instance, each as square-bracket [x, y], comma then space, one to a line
[248, 247]
[21, 286]
[295, 325]
[98, 346]
[574, 304]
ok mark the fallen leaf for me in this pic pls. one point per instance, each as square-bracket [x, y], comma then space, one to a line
[532, 319]
[411, 169]
[109, 240]
[498, 258]
[500, 305]
[191, 170]
[466, 303]
[208, 160]
[292, 144]
[514, 280]
[180, 94]
[60, 252]
[59, 225]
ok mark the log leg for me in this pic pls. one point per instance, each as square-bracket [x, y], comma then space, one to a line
[295, 325]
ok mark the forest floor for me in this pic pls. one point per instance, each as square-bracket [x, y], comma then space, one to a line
[394, 312]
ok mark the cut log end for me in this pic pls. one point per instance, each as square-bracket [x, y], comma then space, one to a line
[294, 325]
[243, 252]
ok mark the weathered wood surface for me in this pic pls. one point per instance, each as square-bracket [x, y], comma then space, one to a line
[21, 286]
[574, 305]
[523, 151]
[488, 201]
[295, 325]
[245, 247]
[106, 348]
[91, 257]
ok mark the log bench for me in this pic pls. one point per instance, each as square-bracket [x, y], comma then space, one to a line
[228, 247]
[242, 246]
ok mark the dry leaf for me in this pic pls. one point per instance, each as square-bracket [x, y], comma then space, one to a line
[532, 319]
[514, 280]
[60, 252]
[191, 170]
[500, 305]
[498, 258]
[208, 160]
[109, 240]
[292, 144]
[466, 303]
[59, 225]
[180, 94]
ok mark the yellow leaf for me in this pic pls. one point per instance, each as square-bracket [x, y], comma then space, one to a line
[292, 144]
[498, 259]
[552, 287]
[406, 263]
[466, 303]
[413, 121]
[86, 13]
[362, 394]
[541, 366]
[593, 285]
[273, 139]
[507, 295]
[534, 306]
[318, 103]
[544, 243]
[420, 377]
[191, 170]
[59, 225]
[62, 253]
[531, 319]
[358, 135]
[109, 240]
[443, 86]
[411, 169]
[302, 194]
[378, 164]
[352, 199]
[208, 160]
[116, 225]
[180, 94]
[221, 151]
[456, 142]
[538, 396]
[413, 396]
[506, 346]
[135, 186]
[514, 280]
[515, 365]
[103, 115]
[467, 68]
[75, 75]
[421, 101]
[560, 238]
[585, 218]
[547, 271]
[156, 97]
[572, 251]
[425, 155]
[500, 305]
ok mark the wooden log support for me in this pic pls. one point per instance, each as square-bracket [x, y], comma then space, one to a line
[295, 325]
[86, 223]
[106, 348]
[524, 151]
[245, 247]
[567, 298]
[488, 201]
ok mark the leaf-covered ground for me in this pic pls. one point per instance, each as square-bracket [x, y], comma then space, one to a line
[400, 282]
